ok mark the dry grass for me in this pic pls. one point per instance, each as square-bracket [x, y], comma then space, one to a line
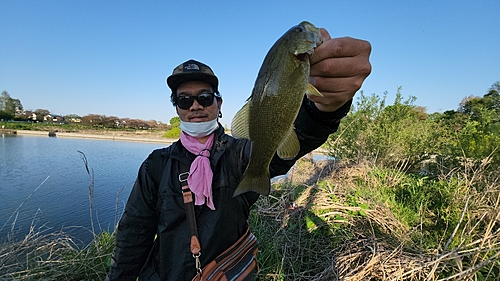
[55, 256]
[17, 260]
[373, 245]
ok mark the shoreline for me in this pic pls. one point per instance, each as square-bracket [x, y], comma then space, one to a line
[119, 136]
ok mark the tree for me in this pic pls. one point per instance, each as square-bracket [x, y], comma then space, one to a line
[492, 100]
[175, 121]
[484, 110]
[93, 120]
[40, 114]
[495, 87]
[43, 112]
[3, 100]
[110, 121]
[174, 131]
[9, 106]
[473, 131]
[5, 116]
[72, 118]
[69, 116]
[13, 106]
[137, 124]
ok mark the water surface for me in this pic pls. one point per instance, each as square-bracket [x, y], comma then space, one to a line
[44, 183]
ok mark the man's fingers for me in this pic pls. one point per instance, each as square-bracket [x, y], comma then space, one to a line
[338, 68]
[331, 101]
[347, 86]
[324, 34]
[341, 67]
[340, 47]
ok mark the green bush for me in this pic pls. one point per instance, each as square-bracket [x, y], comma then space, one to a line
[392, 136]
[404, 136]
[173, 133]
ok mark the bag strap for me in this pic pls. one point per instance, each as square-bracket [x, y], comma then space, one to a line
[195, 245]
[159, 159]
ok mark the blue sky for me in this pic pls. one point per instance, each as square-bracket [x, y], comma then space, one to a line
[112, 57]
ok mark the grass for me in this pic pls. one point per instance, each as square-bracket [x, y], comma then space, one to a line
[327, 221]
[54, 256]
[368, 223]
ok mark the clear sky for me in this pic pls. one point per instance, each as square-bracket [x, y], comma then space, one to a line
[112, 57]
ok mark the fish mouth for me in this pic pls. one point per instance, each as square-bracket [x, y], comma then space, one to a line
[303, 57]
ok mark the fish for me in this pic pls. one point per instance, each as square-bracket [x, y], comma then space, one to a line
[268, 115]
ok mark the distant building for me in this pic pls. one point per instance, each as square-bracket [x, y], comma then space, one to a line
[53, 118]
[20, 111]
[74, 120]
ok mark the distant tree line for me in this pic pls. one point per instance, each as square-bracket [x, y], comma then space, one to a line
[12, 109]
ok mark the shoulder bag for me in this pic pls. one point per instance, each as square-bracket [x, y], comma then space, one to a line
[239, 262]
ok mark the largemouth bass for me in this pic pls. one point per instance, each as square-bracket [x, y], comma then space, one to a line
[268, 115]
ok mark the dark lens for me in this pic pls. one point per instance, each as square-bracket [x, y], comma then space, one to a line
[185, 102]
[205, 99]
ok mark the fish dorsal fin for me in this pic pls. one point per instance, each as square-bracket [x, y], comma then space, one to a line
[290, 146]
[311, 90]
[240, 126]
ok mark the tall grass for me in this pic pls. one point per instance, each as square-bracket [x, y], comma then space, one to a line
[55, 256]
[364, 222]
[42, 255]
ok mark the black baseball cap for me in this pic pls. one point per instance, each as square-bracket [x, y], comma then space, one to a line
[192, 70]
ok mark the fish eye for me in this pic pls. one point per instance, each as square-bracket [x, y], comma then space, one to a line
[299, 29]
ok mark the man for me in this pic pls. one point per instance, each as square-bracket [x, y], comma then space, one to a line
[155, 207]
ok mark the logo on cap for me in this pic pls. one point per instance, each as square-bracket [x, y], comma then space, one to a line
[191, 67]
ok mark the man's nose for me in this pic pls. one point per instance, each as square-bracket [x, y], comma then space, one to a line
[196, 106]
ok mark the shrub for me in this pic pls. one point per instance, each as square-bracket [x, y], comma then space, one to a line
[395, 135]
[173, 133]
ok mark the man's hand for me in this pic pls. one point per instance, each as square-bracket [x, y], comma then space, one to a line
[338, 68]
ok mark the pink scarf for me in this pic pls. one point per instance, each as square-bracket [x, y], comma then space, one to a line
[200, 172]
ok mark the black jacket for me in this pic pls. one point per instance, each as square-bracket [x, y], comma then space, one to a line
[156, 208]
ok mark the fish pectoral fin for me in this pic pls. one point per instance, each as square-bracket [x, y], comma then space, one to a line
[311, 90]
[240, 125]
[290, 146]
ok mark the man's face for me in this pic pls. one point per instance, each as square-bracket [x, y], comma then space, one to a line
[197, 112]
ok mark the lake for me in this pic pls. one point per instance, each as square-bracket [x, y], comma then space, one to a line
[44, 183]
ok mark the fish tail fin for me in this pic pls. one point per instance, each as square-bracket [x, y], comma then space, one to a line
[261, 185]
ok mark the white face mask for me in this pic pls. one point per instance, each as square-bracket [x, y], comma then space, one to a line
[199, 129]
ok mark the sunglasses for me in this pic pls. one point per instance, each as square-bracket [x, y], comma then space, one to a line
[204, 99]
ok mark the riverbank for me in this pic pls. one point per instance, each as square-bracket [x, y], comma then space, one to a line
[137, 136]
[147, 137]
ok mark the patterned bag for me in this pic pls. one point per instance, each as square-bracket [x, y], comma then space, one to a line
[239, 262]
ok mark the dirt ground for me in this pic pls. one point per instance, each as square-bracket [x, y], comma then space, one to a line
[139, 136]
